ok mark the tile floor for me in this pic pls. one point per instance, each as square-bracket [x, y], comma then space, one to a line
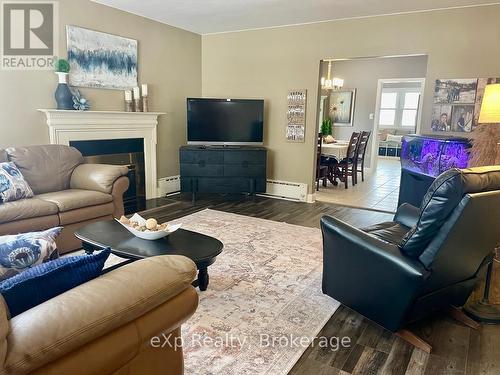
[379, 191]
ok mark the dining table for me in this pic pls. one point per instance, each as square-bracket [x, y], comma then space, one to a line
[337, 150]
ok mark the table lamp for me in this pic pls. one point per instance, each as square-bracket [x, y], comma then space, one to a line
[485, 151]
[486, 136]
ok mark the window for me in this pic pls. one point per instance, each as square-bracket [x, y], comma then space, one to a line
[399, 108]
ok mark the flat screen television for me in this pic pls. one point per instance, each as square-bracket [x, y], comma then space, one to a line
[225, 121]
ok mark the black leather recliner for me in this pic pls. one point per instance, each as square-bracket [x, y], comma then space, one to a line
[425, 260]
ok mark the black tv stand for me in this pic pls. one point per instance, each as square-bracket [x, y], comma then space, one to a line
[239, 147]
[222, 169]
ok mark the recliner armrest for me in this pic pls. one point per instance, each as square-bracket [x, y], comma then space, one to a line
[98, 177]
[407, 215]
[371, 246]
[67, 322]
[367, 274]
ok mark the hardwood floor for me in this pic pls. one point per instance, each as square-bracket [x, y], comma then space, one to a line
[457, 349]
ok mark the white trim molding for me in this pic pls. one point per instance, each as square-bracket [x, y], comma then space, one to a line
[66, 126]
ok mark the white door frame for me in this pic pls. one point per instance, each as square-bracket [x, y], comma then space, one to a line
[375, 140]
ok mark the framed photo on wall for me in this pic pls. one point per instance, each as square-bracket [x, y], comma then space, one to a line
[341, 109]
[457, 103]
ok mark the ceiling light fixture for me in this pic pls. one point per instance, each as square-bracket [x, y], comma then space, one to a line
[331, 83]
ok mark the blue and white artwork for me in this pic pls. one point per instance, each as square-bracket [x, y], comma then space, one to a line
[101, 60]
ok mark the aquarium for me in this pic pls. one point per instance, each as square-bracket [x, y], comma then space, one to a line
[432, 155]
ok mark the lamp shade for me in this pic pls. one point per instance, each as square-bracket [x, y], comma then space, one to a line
[490, 109]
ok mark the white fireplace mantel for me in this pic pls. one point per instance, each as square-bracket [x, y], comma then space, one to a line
[66, 126]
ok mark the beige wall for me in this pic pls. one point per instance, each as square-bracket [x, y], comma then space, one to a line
[266, 63]
[363, 75]
[169, 60]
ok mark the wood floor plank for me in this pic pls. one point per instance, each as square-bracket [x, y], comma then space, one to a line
[418, 362]
[456, 350]
[437, 365]
[474, 353]
[353, 358]
[489, 355]
[370, 362]
[399, 358]
[345, 324]
[450, 344]
[310, 366]
[378, 338]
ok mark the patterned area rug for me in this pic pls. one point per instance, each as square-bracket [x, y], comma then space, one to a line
[264, 293]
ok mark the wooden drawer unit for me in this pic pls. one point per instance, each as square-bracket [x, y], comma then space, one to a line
[201, 169]
[207, 156]
[244, 170]
[244, 157]
[223, 169]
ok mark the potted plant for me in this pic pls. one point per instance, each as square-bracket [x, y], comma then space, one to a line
[326, 130]
[63, 95]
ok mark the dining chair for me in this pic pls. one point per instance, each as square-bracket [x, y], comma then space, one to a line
[360, 162]
[321, 170]
[346, 167]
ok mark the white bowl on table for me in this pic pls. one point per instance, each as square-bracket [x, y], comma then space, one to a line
[149, 234]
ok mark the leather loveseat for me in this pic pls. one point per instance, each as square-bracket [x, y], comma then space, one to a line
[425, 260]
[67, 191]
[125, 322]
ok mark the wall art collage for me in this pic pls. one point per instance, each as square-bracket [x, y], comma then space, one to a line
[296, 115]
[457, 103]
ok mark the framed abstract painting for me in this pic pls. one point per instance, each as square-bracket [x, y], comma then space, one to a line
[101, 60]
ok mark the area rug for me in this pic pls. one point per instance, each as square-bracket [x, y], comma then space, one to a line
[264, 295]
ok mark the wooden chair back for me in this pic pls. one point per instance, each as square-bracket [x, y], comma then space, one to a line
[353, 147]
[362, 145]
[318, 150]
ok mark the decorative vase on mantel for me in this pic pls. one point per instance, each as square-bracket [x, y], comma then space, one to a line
[63, 95]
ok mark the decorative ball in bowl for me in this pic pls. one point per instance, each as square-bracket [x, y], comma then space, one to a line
[147, 229]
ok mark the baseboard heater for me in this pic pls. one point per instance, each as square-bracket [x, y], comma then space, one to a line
[289, 190]
[280, 189]
[167, 185]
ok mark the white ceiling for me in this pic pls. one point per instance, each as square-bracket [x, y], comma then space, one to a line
[213, 16]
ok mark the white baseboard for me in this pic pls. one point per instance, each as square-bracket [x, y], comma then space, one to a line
[287, 190]
[167, 185]
[311, 198]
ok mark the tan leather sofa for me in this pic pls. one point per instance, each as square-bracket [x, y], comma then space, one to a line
[110, 325]
[67, 192]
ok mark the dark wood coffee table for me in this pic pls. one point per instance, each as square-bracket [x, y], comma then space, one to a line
[201, 249]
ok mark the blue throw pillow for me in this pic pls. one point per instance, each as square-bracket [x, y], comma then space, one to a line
[19, 252]
[48, 280]
[13, 186]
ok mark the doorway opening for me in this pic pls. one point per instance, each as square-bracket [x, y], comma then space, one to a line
[381, 96]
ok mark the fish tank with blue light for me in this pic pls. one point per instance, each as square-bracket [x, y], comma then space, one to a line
[433, 155]
[423, 158]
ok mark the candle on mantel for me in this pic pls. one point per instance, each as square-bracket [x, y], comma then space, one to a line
[128, 95]
[144, 89]
[137, 93]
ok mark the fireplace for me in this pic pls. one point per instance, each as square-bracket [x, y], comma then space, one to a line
[66, 127]
[127, 151]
